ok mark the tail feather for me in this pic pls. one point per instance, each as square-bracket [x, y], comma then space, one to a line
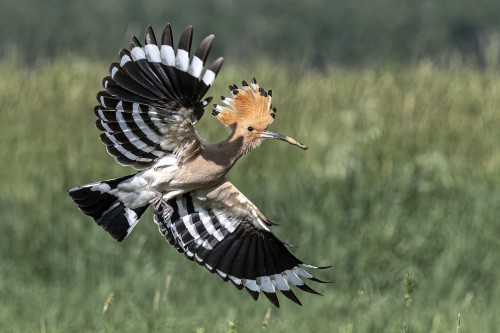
[96, 201]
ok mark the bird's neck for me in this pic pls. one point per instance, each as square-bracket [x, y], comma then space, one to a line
[227, 152]
[233, 147]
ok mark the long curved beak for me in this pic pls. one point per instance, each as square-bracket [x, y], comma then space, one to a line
[292, 141]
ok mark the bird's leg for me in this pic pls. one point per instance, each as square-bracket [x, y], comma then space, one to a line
[158, 202]
[157, 198]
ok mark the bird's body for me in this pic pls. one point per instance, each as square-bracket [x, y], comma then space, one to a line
[147, 113]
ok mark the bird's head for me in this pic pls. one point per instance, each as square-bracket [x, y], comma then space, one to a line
[249, 112]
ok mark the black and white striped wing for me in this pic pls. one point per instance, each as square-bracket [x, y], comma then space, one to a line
[153, 97]
[237, 247]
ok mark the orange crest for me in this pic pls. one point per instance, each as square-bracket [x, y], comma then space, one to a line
[249, 104]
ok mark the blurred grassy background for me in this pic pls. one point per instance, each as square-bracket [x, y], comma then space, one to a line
[401, 178]
[315, 32]
[398, 102]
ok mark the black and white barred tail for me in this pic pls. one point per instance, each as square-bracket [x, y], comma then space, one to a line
[111, 214]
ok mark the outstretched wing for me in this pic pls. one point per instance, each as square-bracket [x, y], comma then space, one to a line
[221, 229]
[153, 97]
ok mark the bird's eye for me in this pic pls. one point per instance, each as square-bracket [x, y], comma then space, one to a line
[250, 128]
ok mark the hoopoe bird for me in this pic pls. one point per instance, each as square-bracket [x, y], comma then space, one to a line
[151, 101]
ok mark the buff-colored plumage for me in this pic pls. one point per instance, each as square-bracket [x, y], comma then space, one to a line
[249, 104]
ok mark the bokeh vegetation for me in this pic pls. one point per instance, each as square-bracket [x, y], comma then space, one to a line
[313, 33]
[398, 101]
[398, 192]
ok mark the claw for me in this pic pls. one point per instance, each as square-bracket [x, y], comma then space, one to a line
[161, 205]
[156, 201]
[167, 210]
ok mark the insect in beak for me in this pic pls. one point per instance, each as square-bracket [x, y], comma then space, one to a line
[292, 141]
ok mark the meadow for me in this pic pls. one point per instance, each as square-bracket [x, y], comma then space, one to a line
[399, 191]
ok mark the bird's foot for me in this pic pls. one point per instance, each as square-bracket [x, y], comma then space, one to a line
[167, 211]
[161, 205]
[158, 198]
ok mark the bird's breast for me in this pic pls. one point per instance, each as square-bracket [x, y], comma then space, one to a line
[171, 176]
[199, 173]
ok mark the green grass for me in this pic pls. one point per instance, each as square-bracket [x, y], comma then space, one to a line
[398, 191]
